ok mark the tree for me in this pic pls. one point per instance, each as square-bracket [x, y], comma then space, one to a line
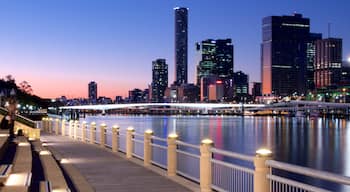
[25, 87]
[10, 79]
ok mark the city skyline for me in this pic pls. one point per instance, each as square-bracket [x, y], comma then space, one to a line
[51, 48]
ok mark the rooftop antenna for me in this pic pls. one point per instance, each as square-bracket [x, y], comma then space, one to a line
[329, 29]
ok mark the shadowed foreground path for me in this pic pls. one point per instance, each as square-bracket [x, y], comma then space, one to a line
[107, 171]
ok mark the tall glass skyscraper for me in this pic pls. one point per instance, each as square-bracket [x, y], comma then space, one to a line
[93, 92]
[284, 54]
[159, 80]
[181, 38]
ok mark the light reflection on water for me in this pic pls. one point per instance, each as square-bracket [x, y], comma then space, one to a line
[318, 143]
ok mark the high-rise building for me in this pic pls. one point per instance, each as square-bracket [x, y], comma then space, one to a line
[328, 62]
[181, 38]
[159, 80]
[93, 92]
[311, 54]
[345, 74]
[256, 89]
[284, 54]
[217, 61]
[241, 85]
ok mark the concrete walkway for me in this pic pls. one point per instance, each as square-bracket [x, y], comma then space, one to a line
[107, 171]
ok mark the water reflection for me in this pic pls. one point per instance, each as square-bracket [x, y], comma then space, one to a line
[318, 143]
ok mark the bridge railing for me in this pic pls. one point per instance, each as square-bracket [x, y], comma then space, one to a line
[210, 167]
[281, 184]
[232, 177]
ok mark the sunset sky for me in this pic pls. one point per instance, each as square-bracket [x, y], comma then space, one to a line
[59, 46]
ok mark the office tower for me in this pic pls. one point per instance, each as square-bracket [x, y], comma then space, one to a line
[311, 54]
[93, 92]
[181, 20]
[159, 80]
[241, 85]
[328, 63]
[256, 89]
[284, 54]
[216, 61]
[345, 74]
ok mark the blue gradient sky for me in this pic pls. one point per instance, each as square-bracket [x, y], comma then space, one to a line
[58, 46]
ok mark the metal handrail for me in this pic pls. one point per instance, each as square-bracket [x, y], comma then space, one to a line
[295, 183]
[187, 144]
[137, 134]
[233, 166]
[309, 172]
[159, 146]
[188, 154]
[233, 155]
[159, 139]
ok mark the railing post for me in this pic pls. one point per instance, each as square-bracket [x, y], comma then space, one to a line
[103, 128]
[261, 183]
[63, 127]
[172, 158]
[43, 124]
[147, 148]
[57, 125]
[50, 125]
[129, 142]
[83, 131]
[92, 132]
[205, 165]
[76, 124]
[70, 128]
[115, 144]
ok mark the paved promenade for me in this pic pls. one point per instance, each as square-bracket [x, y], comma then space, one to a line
[107, 171]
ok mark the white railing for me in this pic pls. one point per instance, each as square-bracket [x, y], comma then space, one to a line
[188, 160]
[212, 168]
[138, 145]
[109, 138]
[282, 184]
[159, 152]
[231, 177]
[122, 142]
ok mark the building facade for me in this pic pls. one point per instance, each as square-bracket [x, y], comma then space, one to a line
[256, 89]
[92, 89]
[284, 54]
[241, 86]
[328, 63]
[216, 62]
[159, 80]
[311, 55]
[181, 41]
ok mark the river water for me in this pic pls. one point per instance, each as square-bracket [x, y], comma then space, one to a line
[320, 143]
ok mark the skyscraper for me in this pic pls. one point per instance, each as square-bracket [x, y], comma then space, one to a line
[93, 92]
[241, 86]
[159, 80]
[216, 61]
[181, 20]
[311, 54]
[328, 62]
[284, 54]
